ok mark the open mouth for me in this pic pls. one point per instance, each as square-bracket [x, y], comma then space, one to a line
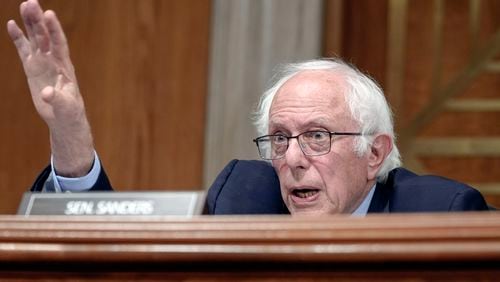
[305, 193]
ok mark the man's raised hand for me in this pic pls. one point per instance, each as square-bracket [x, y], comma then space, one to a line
[52, 82]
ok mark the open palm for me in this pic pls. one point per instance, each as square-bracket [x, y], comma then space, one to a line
[48, 68]
[54, 90]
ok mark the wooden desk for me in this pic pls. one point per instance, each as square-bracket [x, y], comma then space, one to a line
[458, 247]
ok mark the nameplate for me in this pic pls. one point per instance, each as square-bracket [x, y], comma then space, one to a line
[113, 203]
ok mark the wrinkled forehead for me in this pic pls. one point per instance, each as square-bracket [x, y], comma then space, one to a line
[318, 88]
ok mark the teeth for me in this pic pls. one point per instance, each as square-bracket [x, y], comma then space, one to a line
[305, 194]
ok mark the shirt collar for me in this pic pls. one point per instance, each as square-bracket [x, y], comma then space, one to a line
[362, 210]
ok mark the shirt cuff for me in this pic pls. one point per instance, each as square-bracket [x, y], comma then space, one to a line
[77, 184]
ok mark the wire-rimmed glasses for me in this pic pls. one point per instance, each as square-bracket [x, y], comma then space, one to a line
[312, 143]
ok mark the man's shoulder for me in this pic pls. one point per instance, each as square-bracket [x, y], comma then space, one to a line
[406, 180]
[409, 192]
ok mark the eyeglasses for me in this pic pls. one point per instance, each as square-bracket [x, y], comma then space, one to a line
[312, 143]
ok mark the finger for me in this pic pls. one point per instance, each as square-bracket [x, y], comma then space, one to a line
[27, 25]
[48, 93]
[39, 28]
[17, 36]
[59, 44]
[35, 26]
[59, 82]
[53, 94]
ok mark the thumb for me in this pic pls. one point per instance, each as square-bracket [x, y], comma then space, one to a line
[48, 94]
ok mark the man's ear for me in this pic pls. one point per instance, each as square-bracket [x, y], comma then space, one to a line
[380, 148]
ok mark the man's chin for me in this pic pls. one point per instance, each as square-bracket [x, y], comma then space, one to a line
[311, 211]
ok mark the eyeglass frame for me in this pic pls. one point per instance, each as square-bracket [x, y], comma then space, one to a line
[331, 133]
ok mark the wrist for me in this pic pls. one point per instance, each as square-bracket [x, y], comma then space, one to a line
[72, 150]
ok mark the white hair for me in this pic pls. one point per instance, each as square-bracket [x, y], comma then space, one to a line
[364, 97]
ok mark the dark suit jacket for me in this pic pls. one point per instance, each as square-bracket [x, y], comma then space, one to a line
[249, 187]
[252, 187]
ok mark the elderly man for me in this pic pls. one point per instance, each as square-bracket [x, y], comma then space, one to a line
[326, 130]
[330, 137]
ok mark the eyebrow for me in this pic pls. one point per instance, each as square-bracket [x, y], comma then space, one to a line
[319, 122]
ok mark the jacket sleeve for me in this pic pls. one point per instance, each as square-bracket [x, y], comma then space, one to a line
[245, 187]
[44, 181]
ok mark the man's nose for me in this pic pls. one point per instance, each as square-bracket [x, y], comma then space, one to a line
[294, 156]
